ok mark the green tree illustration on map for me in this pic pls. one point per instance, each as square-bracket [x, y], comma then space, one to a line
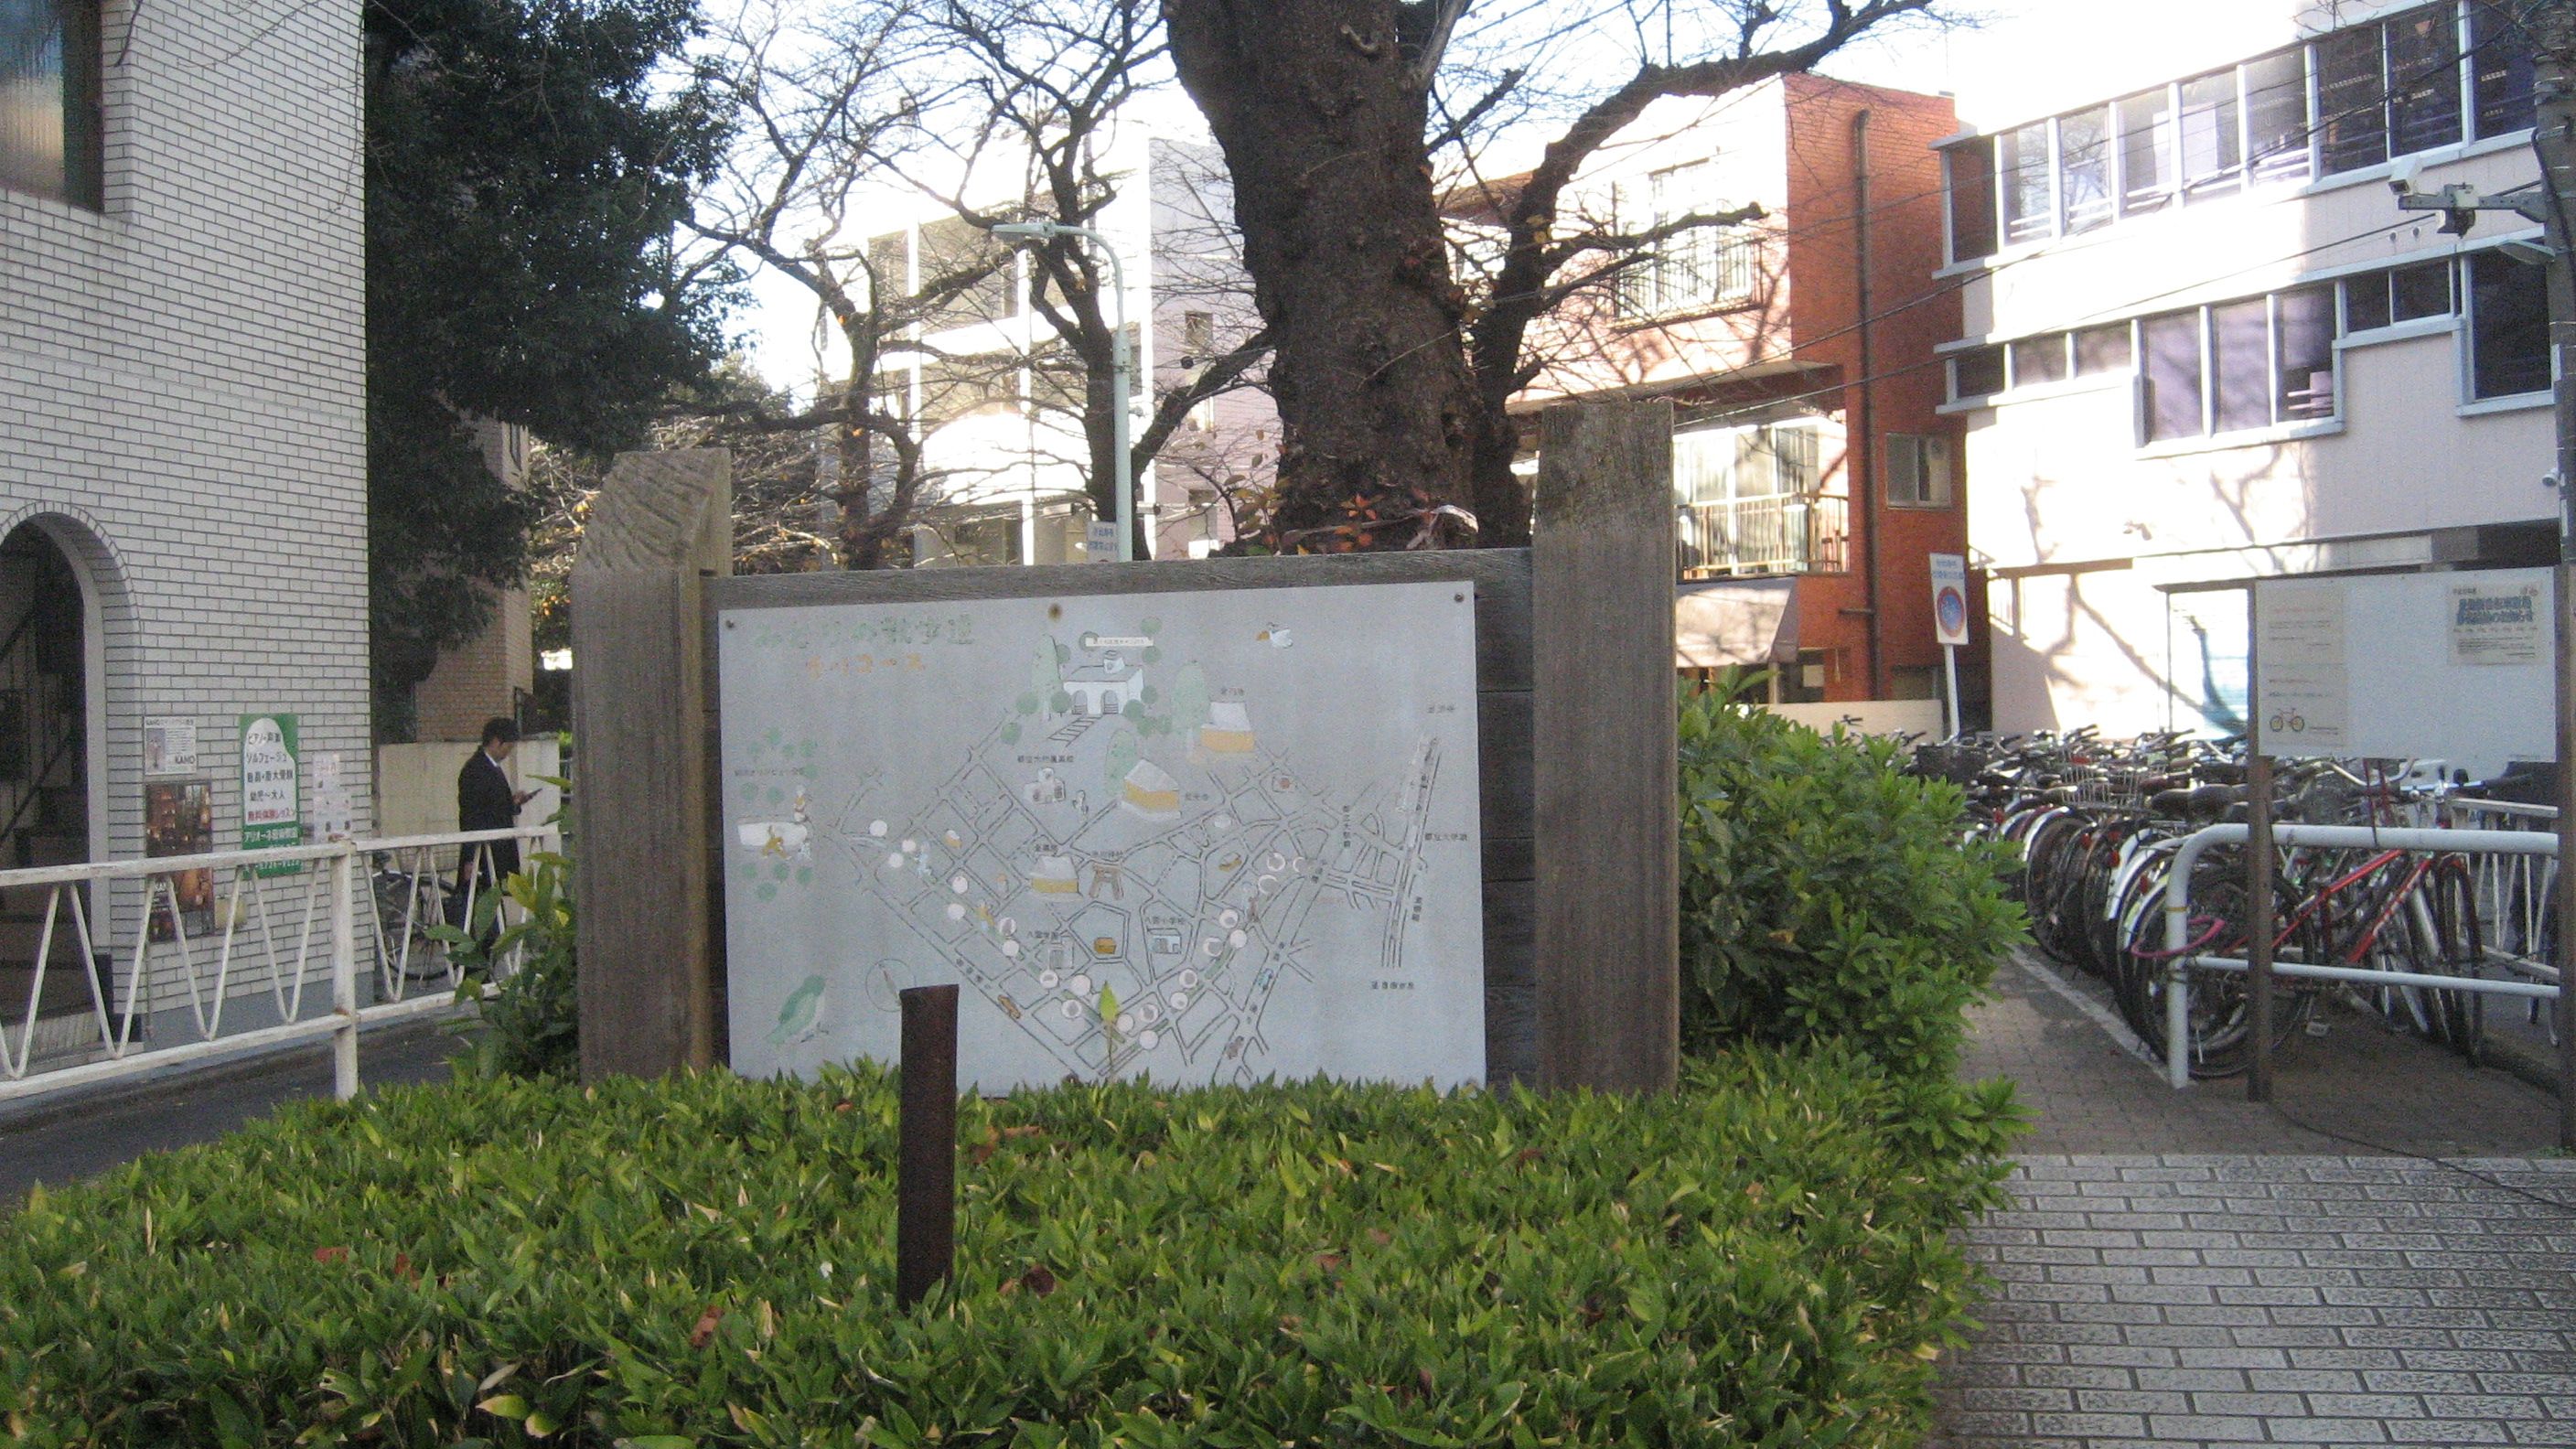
[1122, 758]
[1189, 698]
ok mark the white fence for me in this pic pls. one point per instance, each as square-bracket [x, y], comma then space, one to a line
[287, 920]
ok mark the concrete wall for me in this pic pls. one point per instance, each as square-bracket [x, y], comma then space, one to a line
[182, 391]
[416, 784]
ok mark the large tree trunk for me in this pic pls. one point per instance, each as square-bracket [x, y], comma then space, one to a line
[1322, 124]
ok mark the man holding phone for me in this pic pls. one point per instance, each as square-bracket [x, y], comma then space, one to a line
[487, 800]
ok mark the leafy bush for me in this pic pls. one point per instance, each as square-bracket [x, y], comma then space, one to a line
[529, 1025]
[1756, 1260]
[1826, 895]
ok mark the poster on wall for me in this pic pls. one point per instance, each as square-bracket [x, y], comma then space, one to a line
[1209, 837]
[335, 813]
[2303, 682]
[2497, 624]
[179, 819]
[169, 746]
[272, 805]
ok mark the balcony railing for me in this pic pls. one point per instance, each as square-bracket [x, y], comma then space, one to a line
[1783, 534]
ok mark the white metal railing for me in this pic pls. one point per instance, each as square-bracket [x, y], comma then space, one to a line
[1779, 533]
[278, 917]
[2512, 893]
[2181, 961]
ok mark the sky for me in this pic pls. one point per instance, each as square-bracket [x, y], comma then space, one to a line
[777, 324]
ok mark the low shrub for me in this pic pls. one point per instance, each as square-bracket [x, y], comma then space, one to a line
[529, 1025]
[1827, 895]
[1757, 1260]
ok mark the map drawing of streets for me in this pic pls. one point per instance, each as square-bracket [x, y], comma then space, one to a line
[1122, 866]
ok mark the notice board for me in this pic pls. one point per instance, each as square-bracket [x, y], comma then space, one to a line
[2449, 666]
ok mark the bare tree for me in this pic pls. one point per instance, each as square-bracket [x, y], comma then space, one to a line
[1393, 381]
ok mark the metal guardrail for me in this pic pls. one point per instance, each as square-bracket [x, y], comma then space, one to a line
[100, 1044]
[2181, 960]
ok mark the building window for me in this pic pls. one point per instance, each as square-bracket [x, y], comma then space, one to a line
[1918, 470]
[2397, 294]
[2146, 151]
[2349, 99]
[1971, 169]
[2239, 366]
[2508, 327]
[1696, 268]
[2500, 71]
[2039, 360]
[2021, 159]
[2101, 349]
[2212, 143]
[2084, 169]
[2276, 117]
[1976, 373]
[50, 142]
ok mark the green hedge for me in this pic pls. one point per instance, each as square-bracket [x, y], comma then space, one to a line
[1759, 1259]
[1825, 894]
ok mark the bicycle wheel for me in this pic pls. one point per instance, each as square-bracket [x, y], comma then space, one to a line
[2219, 1018]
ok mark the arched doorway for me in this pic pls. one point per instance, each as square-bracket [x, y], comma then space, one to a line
[46, 703]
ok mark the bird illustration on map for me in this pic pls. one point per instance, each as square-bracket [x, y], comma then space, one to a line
[801, 1018]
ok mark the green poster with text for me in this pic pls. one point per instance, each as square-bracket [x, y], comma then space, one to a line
[272, 806]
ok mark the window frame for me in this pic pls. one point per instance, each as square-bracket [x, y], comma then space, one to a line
[81, 87]
[2204, 324]
[1922, 494]
[2465, 304]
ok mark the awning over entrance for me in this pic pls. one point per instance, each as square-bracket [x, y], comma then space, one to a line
[1735, 621]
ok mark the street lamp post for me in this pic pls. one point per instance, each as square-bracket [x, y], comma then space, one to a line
[1121, 367]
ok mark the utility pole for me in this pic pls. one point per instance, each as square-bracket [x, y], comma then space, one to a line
[2551, 25]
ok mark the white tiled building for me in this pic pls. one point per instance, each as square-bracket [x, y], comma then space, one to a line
[183, 529]
[2203, 345]
[998, 396]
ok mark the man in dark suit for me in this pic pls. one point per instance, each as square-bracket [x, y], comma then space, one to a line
[486, 800]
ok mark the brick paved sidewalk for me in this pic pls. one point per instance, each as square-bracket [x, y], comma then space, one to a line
[2159, 1283]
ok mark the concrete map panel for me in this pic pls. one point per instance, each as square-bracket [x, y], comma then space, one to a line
[1203, 837]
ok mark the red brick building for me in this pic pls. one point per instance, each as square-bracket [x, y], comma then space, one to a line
[1813, 472]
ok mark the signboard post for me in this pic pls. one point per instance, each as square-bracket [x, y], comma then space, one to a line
[1950, 621]
[272, 806]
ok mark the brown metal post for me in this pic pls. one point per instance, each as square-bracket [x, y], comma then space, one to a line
[925, 1184]
[2259, 861]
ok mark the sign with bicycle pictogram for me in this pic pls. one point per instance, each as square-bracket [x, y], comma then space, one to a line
[2425, 666]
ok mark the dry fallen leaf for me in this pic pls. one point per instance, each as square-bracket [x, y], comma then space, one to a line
[706, 1328]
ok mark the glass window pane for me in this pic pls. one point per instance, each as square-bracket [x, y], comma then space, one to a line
[2276, 116]
[1904, 468]
[2211, 145]
[31, 96]
[1700, 464]
[2305, 333]
[1977, 372]
[2101, 349]
[2240, 354]
[2352, 110]
[2084, 168]
[1936, 469]
[2022, 165]
[2146, 151]
[2508, 327]
[2365, 301]
[2424, 79]
[2172, 345]
[2039, 359]
[1795, 452]
[2422, 290]
[1972, 199]
[2500, 63]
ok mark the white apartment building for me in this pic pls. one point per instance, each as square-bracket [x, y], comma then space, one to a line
[183, 524]
[2202, 345]
[998, 396]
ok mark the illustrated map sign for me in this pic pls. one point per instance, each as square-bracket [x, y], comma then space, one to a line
[1950, 597]
[1209, 837]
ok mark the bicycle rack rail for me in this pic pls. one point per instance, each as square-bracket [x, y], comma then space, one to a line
[2333, 837]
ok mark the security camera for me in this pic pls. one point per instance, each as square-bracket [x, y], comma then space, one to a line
[2402, 174]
